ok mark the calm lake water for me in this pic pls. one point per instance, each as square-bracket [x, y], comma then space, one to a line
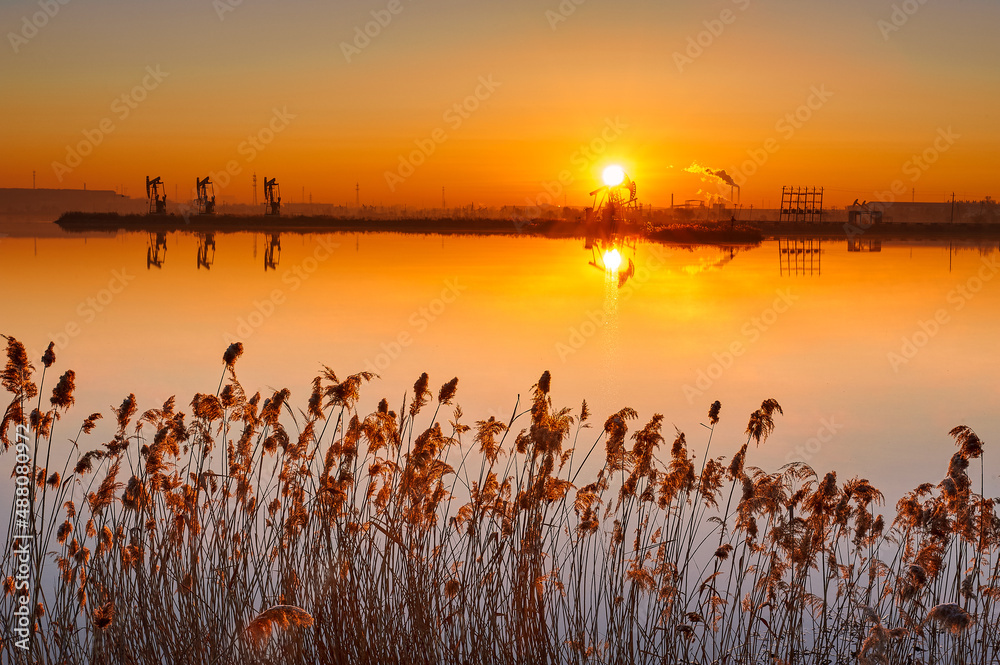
[874, 355]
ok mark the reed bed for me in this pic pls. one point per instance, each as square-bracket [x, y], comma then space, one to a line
[245, 530]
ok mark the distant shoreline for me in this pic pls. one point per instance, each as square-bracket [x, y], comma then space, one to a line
[559, 228]
[77, 221]
[711, 232]
[882, 230]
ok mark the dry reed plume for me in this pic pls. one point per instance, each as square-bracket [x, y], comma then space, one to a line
[409, 536]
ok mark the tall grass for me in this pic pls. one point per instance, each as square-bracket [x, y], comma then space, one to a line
[244, 530]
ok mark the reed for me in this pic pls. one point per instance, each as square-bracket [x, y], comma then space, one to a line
[245, 530]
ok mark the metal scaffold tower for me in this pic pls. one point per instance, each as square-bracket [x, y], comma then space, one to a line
[801, 204]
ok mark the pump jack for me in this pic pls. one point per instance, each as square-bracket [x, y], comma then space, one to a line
[206, 203]
[272, 197]
[157, 204]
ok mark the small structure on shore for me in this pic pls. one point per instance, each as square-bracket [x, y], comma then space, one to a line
[862, 216]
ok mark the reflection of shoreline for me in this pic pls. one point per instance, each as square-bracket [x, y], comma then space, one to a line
[706, 233]
[78, 222]
[86, 222]
[882, 231]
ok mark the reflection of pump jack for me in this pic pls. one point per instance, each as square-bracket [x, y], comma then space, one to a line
[607, 255]
[206, 241]
[272, 197]
[272, 253]
[156, 251]
[157, 204]
[627, 274]
[206, 203]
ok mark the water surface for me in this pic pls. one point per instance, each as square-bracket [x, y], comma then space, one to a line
[874, 355]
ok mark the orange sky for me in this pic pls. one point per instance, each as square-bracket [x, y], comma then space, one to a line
[883, 87]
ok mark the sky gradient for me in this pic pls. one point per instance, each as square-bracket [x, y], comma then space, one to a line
[883, 86]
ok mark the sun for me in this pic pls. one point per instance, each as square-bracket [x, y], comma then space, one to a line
[613, 175]
[612, 260]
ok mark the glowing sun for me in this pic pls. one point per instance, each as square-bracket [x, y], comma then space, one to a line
[612, 260]
[613, 175]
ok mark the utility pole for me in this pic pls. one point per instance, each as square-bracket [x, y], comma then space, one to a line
[443, 206]
[953, 207]
[255, 188]
[357, 194]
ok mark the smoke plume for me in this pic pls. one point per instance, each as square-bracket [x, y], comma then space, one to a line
[717, 175]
